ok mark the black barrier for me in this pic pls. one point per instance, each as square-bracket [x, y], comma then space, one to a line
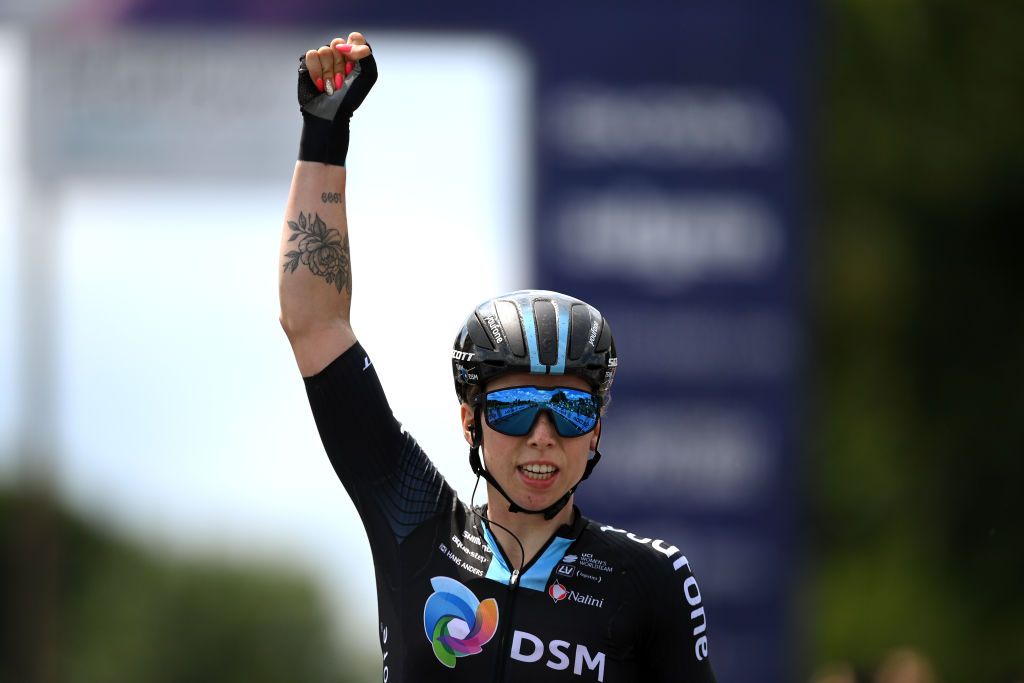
[669, 193]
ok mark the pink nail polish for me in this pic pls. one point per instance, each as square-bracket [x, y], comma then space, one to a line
[348, 68]
[320, 84]
[344, 48]
[337, 81]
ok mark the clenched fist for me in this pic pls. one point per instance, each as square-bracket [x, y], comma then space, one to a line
[333, 81]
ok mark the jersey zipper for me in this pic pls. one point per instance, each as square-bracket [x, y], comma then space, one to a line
[508, 617]
[508, 612]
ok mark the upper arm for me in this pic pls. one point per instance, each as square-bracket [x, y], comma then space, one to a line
[392, 483]
[678, 648]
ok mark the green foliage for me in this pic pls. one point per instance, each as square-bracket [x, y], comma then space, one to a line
[921, 339]
[123, 615]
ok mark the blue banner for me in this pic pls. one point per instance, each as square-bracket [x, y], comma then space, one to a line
[671, 195]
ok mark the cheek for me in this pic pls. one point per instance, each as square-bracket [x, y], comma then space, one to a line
[578, 455]
[498, 448]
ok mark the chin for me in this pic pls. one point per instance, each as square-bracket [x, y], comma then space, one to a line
[541, 502]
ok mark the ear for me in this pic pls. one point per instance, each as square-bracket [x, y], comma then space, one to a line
[595, 436]
[467, 423]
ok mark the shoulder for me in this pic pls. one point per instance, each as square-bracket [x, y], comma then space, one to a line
[658, 568]
[663, 580]
[637, 551]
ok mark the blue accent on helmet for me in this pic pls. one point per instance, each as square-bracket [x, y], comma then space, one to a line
[530, 330]
[562, 311]
[582, 343]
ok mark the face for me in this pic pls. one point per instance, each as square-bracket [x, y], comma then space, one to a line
[537, 469]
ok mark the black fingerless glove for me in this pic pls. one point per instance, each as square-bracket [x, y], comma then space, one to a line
[325, 117]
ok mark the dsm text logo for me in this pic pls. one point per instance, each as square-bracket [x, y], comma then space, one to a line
[455, 622]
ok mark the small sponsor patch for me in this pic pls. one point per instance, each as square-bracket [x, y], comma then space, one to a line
[558, 593]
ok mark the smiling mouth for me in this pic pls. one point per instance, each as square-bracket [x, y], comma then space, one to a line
[538, 472]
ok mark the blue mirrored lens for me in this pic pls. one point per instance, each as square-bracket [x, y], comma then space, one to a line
[513, 411]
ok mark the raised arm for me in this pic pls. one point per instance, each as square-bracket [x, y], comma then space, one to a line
[315, 283]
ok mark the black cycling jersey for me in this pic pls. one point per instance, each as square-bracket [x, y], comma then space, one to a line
[596, 604]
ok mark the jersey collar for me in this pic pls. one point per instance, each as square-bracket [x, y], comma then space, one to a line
[537, 571]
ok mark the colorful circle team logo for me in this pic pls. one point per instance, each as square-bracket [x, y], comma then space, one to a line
[558, 592]
[455, 622]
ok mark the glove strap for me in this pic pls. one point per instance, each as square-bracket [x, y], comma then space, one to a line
[324, 141]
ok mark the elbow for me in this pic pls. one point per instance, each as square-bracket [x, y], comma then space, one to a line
[286, 320]
[286, 325]
[298, 318]
[300, 327]
[318, 342]
[296, 326]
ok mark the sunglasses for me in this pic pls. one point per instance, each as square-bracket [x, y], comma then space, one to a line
[513, 411]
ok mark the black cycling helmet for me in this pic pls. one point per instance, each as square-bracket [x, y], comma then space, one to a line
[541, 333]
[534, 331]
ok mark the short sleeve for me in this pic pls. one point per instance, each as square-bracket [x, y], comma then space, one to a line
[678, 648]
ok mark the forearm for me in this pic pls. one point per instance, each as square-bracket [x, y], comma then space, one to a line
[315, 280]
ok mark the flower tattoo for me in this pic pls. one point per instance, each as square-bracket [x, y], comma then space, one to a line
[324, 250]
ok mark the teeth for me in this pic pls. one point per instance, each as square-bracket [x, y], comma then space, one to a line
[538, 471]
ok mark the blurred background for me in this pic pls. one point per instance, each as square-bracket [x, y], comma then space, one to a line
[798, 218]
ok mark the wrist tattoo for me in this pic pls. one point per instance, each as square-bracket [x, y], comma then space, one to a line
[331, 198]
[323, 250]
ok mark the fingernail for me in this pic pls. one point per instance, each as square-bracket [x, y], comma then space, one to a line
[348, 67]
[337, 81]
[329, 85]
[344, 48]
[320, 84]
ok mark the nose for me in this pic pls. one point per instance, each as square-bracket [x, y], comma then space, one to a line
[542, 434]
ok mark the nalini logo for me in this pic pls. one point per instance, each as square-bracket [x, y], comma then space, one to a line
[558, 592]
[455, 622]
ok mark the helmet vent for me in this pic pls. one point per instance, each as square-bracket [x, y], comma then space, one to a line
[547, 331]
[580, 330]
[477, 334]
[508, 314]
[537, 332]
[606, 338]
